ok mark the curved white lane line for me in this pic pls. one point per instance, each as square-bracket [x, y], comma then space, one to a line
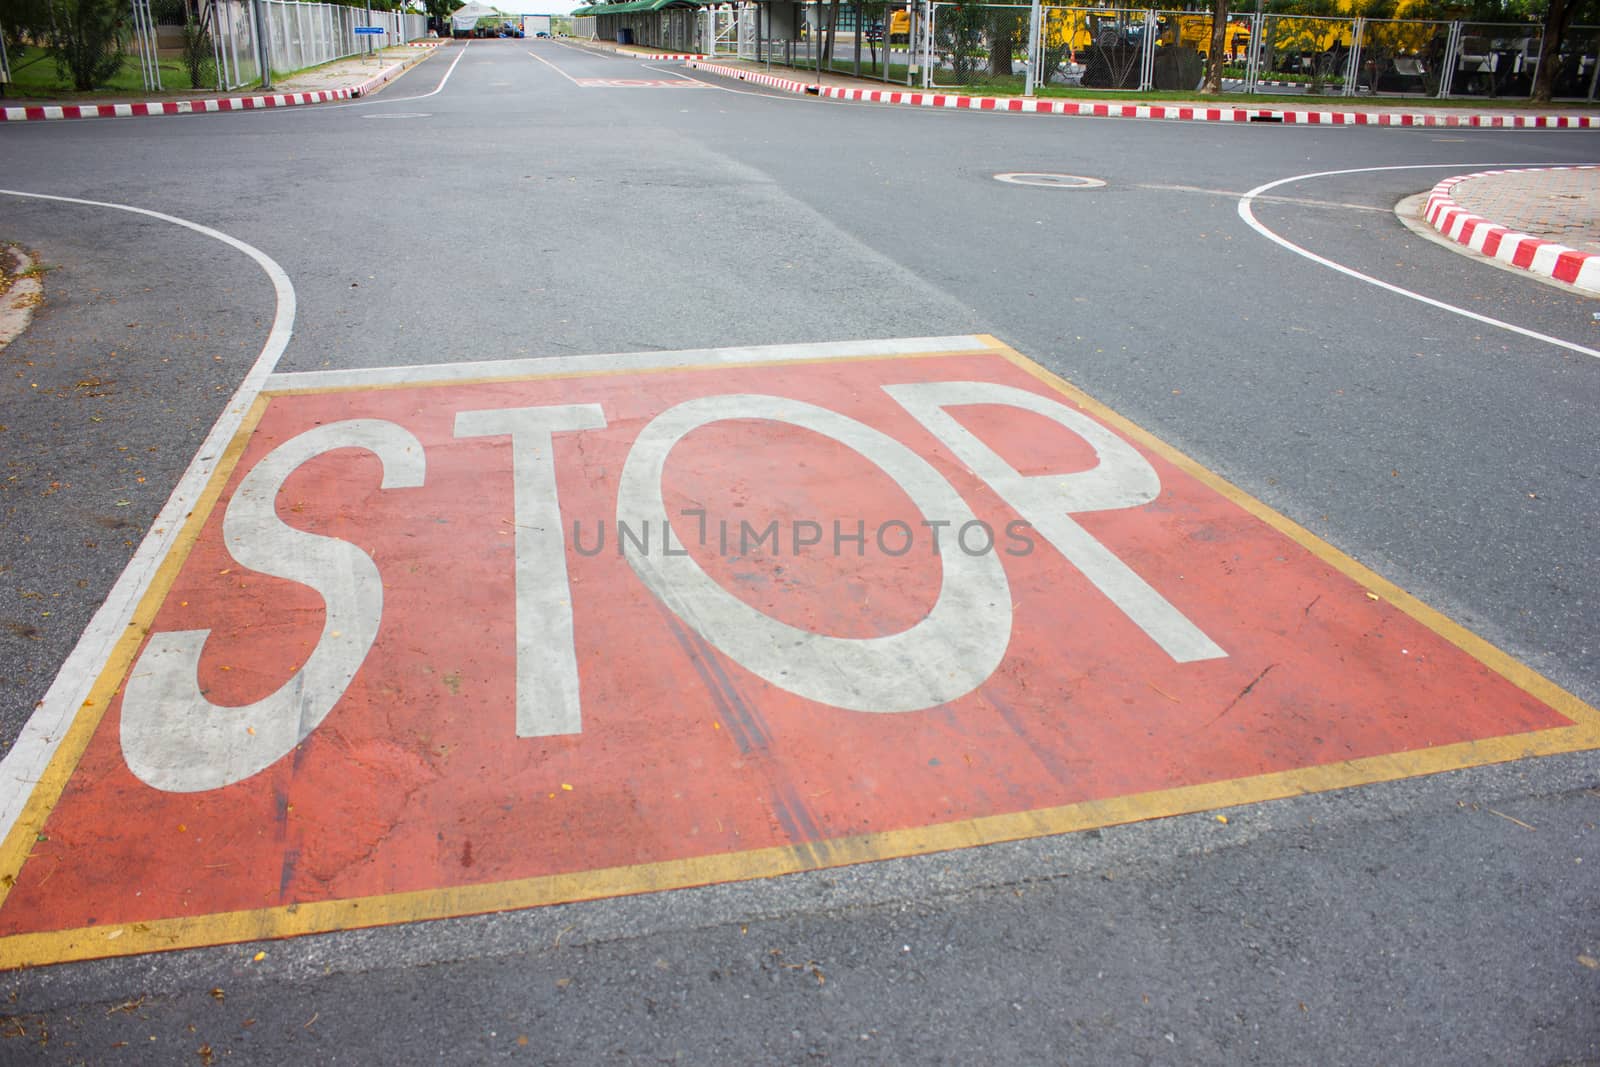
[1250, 219]
[435, 91]
[42, 733]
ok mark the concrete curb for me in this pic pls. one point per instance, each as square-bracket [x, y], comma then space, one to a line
[197, 107]
[376, 82]
[1578, 269]
[1184, 112]
[18, 302]
[169, 107]
[611, 49]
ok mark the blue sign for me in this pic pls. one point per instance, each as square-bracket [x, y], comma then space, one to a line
[371, 29]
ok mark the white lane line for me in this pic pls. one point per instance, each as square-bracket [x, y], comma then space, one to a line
[555, 68]
[1302, 201]
[434, 373]
[1250, 219]
[437, 89]
[41, 734]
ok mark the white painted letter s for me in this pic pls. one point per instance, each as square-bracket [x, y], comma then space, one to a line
[175, 739]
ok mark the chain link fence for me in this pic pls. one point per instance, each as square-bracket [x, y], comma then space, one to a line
[1401, 57]
[1578, 63]
[306, 35]
[1496, 59]
[954, 44]
[218, 47]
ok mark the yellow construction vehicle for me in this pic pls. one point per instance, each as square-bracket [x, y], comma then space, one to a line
[900, 26]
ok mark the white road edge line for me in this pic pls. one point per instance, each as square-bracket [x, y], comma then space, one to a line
[1250, 219]
[435, 91]
[22, 767]
[436, 373]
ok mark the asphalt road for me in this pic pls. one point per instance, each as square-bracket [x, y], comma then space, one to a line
[516, 213]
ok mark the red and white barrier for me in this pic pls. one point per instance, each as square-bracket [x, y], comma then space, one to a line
[1185, 112]
[169, 107]
[1553, 260]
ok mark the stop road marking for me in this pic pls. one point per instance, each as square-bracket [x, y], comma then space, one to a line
[454, 639]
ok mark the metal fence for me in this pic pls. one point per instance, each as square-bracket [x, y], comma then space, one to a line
[305, 35]
[1008, 48]
[1295, 53]
[235, 36]
[1013, 47]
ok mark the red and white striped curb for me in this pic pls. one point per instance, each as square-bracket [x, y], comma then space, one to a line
[1186, 112]
[1579, 269]
[610, 48]
[169, 107]
[426, 44]
[386, 75]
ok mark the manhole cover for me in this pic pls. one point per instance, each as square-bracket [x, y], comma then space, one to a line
[1053, 181]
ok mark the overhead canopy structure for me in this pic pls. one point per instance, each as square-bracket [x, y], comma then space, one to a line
[466, 17]
[631, 7]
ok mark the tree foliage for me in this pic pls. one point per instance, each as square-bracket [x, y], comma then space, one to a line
[24, 20]
[85, 39]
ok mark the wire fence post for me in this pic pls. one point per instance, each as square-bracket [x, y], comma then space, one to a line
[1147, 53]
[1352, 69]
[931, 11]
[1035, 51]
[258, 9]
[1252, 66]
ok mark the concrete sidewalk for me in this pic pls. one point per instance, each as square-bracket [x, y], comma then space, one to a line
[1554, 205]
[342, 79]
[1542, 220]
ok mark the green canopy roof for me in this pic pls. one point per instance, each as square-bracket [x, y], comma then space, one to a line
[632, 7]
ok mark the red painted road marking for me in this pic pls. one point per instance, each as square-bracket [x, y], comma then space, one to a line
[639, 83]
[468, 688]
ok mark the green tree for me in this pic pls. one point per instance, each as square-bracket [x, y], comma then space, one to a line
[1007, 26]
[23, 21]
[959, 33]
[1219, 45]
[1558, 18]
[85, 38]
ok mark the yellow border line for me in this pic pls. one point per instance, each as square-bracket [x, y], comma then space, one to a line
[1513, 670]
[47, 791]
[60, 946]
